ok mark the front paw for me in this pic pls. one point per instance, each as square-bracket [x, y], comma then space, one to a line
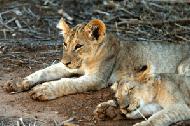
[17, 86]
[107, 110]
[43, 92]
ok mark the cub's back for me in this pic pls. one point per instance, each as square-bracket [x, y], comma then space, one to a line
[164, 56]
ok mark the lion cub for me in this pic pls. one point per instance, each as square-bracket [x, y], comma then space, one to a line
[163, 97]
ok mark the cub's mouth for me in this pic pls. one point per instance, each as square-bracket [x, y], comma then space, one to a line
[72, 65]
[129, 110]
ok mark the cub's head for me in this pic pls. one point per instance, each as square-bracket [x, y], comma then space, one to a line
[126, 94]
[80, 42]
[136, 92]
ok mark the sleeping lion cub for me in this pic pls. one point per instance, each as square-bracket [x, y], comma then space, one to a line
[163, 97]
[92, 58]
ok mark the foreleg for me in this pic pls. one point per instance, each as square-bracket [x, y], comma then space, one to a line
[144, 111]
[53, 72]
[53, 89]
[167, 116]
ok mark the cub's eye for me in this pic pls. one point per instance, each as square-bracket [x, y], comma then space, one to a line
[131, 89]
[65, 44]
[78, 46]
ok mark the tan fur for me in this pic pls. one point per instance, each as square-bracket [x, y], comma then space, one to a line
[171, 92]
[92, 58]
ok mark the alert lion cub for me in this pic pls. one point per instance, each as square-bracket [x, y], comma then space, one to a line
[163, 97]
[92, 58]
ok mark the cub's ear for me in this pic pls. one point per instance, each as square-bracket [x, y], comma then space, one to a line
[64, 27]
[145, 74]
[95, 30]
[114, 86]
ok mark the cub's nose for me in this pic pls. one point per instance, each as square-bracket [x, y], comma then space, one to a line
[124, 106]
